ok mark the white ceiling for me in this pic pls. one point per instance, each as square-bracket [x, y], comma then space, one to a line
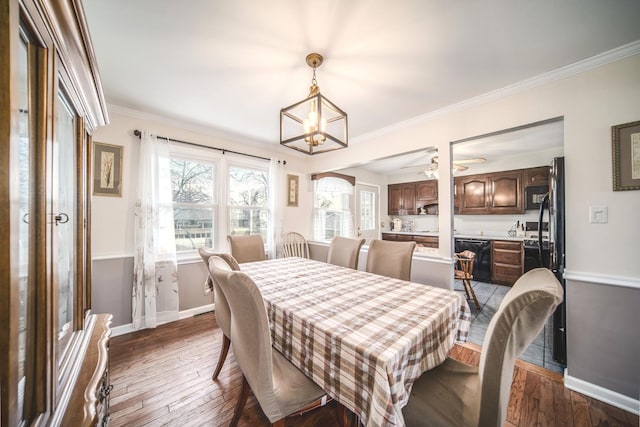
[537, 141]
[232, 65]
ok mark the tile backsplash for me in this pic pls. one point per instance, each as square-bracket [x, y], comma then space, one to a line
[471, 224]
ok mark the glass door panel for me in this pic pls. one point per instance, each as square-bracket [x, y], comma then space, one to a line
[63, 219]
[367, 199]
[25, 173]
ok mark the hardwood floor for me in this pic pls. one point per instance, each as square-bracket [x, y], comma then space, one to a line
[162, 377]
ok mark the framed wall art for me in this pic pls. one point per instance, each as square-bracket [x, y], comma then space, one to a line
[626, 156]
[107, 169]
[292, 190]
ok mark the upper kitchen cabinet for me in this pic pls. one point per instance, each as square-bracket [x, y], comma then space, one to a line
[506, 193]
[402, 199]
[426, 192]
[536, 176]
[493, 193]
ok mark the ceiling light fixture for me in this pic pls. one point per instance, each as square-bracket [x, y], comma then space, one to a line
[315, 124]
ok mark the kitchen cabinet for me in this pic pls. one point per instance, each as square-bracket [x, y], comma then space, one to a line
[508, 261]
[402, 199]
[506, 193]
[536, 176]
[426, 241]
[426, 192]
[473, 195]
[490, 194]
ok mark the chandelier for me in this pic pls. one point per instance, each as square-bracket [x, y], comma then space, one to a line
[315, 124]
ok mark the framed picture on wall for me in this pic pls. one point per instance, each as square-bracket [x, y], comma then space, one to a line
[107, 169]
[626, 156]
[292, 190]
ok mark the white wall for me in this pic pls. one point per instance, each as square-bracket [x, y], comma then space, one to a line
[112, 217]
[590, 102]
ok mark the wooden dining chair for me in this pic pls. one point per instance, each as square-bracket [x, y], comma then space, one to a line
[295, 245]
[222, 313]
[247, 248]
[344, 251]
[391, 259]
[456, 394]
[465, 260]
[280, 388]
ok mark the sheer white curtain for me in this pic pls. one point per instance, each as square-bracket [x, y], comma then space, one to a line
[276, 200]
[155, 280]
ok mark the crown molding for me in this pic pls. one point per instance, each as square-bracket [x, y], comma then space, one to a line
[579, 67]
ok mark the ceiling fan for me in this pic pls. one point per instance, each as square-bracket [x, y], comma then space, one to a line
[430, 169]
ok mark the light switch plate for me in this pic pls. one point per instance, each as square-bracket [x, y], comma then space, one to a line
[598, 214]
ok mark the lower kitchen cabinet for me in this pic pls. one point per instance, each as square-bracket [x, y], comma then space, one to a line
[425, 241]
[508, 262]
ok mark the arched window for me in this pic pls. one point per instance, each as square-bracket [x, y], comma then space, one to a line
[333, 200]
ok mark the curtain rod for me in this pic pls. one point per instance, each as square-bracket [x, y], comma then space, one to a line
[137, 133]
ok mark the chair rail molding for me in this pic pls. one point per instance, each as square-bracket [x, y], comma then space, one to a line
[602, 279]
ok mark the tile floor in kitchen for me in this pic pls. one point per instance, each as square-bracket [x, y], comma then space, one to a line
[489, 297]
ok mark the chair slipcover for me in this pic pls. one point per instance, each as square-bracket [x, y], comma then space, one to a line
[223, 314]
[280, 388]
[345, 252]
[391, 259]
[455, 394]
[247, 248]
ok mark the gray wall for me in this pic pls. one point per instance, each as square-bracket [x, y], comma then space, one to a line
[599, 319]
[112, 284]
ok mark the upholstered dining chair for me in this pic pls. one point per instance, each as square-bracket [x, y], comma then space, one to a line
[247, 248]
[223, 315]
[464, 260]
[391, 259]
[280, 388]
[344, 251]
[295, 245]
[455, 394]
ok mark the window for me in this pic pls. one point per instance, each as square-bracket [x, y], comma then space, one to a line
[248, 201]
[193, 184]
[332, 209]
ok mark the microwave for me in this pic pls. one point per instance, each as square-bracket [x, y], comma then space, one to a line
[534, 194]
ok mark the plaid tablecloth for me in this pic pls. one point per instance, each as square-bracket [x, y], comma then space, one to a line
[363, 338]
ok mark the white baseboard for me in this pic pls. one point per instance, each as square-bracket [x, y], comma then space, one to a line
[604, 395]
[128, 328]
[195, 311]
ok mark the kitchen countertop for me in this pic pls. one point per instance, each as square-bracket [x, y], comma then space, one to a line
[484, 236]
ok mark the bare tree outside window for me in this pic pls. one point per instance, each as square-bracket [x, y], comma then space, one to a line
[192, 184]
[248, 201]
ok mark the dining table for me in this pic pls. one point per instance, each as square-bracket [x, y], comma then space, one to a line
[362, 337]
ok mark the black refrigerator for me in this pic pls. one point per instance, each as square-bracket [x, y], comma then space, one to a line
[553, 204]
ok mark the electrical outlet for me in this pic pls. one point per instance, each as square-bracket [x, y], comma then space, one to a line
[598, 214]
